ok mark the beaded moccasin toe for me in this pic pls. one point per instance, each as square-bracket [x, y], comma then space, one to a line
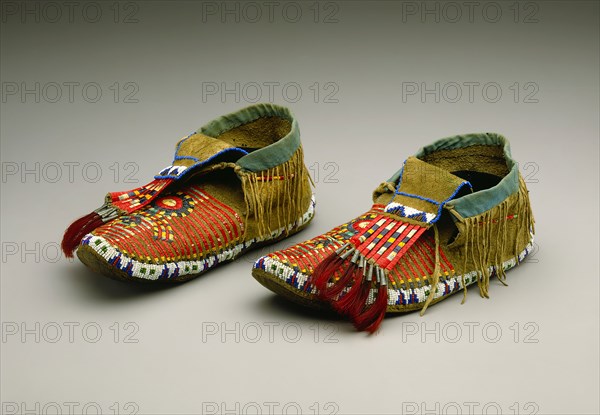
[455, 214]
[237, 182]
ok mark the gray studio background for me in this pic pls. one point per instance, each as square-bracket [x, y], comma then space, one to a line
[94, 97]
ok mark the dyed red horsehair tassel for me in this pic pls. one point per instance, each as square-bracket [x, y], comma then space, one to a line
[84, 225]
[117, 204]
[354, 278]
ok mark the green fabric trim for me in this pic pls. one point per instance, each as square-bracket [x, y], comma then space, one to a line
[476, 203]
[266, 157]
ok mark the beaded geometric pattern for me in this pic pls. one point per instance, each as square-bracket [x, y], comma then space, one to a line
[409, 212]
[134, 199]
[171, 172]
[178, 234]
[408, 279]
[385, 240]
[175, 226]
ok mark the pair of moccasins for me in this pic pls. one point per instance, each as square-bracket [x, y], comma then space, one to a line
[456, 213]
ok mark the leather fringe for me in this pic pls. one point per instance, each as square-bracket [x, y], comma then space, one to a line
[486, 237]
[274, 197]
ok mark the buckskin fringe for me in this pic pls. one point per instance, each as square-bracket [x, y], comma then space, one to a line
[486, 235]
[274, 196]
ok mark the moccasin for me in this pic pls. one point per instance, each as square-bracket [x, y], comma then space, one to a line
[457, 213]
[236, 183]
